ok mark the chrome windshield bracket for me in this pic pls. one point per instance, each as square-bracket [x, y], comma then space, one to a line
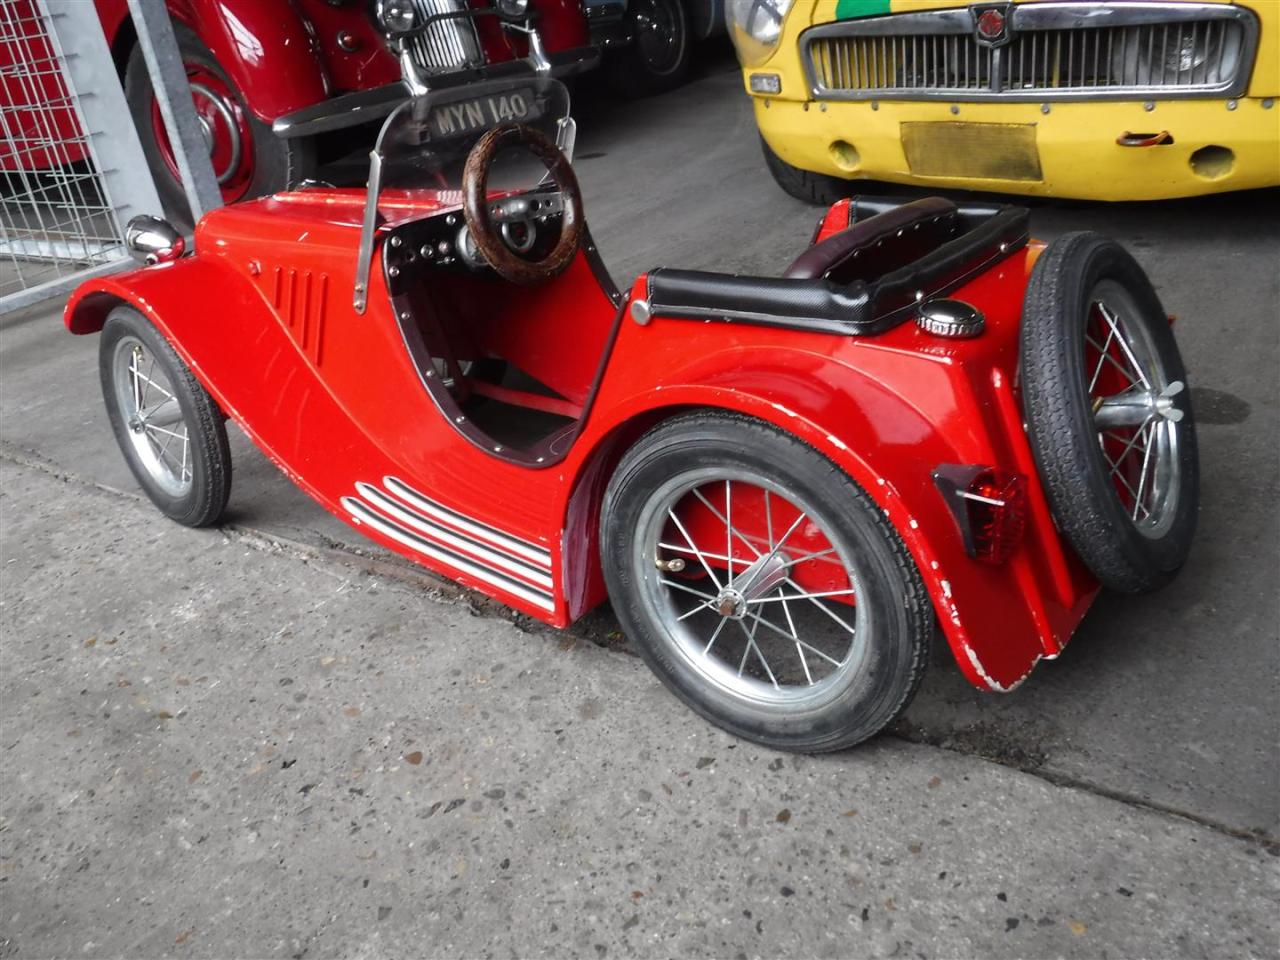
[368, 230]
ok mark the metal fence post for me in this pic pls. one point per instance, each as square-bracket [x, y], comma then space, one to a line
[86, 60]
[173, 94]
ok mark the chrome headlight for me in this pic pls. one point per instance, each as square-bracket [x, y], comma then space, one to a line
[513, 9]
[755, 26]
[396, 16]
[1194, 57]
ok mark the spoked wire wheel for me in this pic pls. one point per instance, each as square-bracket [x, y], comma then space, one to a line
[169, 429]
[1134, 403]
[761, 584]
[1108, 412]
[750, 586]
[158, 432]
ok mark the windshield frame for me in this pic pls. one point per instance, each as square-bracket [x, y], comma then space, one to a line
[422, 106]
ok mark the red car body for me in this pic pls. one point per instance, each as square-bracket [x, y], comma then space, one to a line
[284, 55]
[887, 409]
[279, 56]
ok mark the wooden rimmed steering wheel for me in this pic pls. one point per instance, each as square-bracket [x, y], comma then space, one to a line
[488, 238]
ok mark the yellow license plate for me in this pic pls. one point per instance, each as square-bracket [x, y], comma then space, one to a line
[972, 151]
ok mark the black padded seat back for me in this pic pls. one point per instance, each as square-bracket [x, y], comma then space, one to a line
[984, 235]
[871, 248]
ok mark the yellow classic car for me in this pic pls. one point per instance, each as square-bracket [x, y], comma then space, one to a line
[1128, 100]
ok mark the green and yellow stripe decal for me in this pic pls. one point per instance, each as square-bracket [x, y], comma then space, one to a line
[853, 9]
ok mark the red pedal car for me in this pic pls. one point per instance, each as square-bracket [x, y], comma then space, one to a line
[782, 484]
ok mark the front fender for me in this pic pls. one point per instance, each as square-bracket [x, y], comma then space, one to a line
[266, 50]
[998, 621]
[168, 296]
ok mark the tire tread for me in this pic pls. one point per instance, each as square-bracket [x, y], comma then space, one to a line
[211, 488]
[1061, 432]
[817, 188]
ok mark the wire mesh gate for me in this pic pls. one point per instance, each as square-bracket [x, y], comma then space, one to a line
[71, 169]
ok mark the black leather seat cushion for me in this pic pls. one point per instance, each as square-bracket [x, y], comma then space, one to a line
[984, 235]
[870, 248]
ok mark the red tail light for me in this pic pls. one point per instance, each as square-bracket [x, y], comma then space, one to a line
[990, 508]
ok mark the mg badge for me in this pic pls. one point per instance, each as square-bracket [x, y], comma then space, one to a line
[991, 25]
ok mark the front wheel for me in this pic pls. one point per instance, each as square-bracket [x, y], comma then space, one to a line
[763, 586]
[169, 429]
[818, 188]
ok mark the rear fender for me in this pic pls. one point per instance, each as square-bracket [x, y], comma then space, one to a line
[889, 448]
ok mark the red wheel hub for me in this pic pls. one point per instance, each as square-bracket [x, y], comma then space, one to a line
[1114, 375]
[226, 129]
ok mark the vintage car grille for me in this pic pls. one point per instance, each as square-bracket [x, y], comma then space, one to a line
[447, 44]
[1064, 50]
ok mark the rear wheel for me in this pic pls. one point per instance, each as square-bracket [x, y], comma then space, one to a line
[762, 585]
[1109, 413]
[169, 429]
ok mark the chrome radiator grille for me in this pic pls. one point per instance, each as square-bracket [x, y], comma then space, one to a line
[446, 44]
[1175, 49]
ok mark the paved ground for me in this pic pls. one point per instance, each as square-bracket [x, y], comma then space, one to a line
[240, 751]
[1166, 702]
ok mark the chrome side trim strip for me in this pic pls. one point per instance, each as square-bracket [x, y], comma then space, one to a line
[438, 533]
[476, 529]
[362, 513]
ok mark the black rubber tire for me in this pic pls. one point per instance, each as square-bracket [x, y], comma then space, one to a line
[632, 74]
[278, 163]
[1059, 415]
[873, 696]
[817, 188]
[204, 503]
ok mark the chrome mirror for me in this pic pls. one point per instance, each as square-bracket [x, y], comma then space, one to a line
[151, 240]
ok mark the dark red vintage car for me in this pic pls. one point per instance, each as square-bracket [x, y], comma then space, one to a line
[782, 484]
[343, 62]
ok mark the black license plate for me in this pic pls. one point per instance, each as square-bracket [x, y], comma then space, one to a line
[479, 113]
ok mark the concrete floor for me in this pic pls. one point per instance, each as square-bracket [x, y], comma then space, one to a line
[214, 746]
[1164, 702]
